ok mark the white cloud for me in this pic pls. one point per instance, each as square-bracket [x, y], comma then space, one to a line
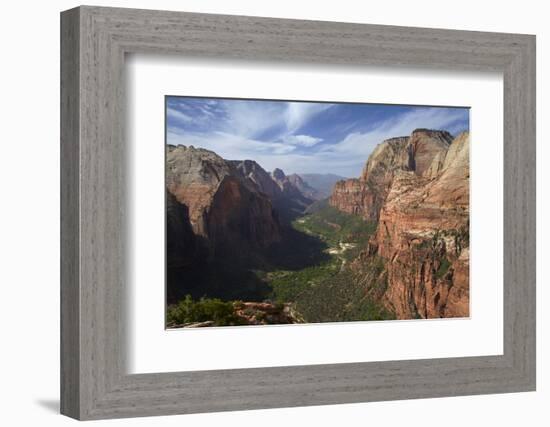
[269, 155]
[357, 143]
[178, 115]
[250, 119]
[240, 139]
[302, 140]
[229, 146]
[297, 114]
[348, 156]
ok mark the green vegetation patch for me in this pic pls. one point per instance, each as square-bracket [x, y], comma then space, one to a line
[335, 226]
[188, 311]
[443, 268]
[329, 292]
[311, 271]
[340, 298]
[289, 285]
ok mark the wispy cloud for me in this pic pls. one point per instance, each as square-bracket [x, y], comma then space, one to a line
[298, 136]
[402, 125]
[297, 114]
[303, 140]
[177, 115]
[229, 146]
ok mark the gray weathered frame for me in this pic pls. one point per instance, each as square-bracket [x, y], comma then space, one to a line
[94, 41]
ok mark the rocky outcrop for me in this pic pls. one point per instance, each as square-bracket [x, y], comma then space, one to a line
[417, 188]
[283, 190]
[351, 196]
[290, 195]
[292, 202]
[266, 313]
[423, 237]
[366, 195]
[252, 313]
[423, 146]
[255, 174]
[224, 209]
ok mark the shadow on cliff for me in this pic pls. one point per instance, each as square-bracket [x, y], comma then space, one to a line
[222, 279]
[232, 274]
[296, 251]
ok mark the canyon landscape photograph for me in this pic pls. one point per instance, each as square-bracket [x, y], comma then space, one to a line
[293, 212]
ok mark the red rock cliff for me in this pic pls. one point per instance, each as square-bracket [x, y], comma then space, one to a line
[423, 237]
[223, 208]
[365, 195]
[417, 187]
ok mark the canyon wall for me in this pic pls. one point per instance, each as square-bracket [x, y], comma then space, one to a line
[227, 205]
[225, 210]
[418, 189]
[364, 196]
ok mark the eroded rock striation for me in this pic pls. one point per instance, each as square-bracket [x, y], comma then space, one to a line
[418, 189]
[365, 195]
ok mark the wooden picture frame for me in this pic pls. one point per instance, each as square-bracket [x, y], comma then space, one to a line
[94, 382]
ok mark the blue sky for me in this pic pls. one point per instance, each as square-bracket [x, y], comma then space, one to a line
[300, 137]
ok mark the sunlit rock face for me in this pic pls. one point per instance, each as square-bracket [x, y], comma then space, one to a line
[423, 235]
[224, 208]
[418, 189]
[365, 195]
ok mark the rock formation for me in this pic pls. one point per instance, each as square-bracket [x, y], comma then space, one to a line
[365, 195]
[266, 313]
[422, 193]
[416, 188]
[292, 202]
[224, 209]
[423, 146]
[253, 172]
[304, 188]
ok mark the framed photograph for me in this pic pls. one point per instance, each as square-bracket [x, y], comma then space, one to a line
[261, 213]
[369, 222]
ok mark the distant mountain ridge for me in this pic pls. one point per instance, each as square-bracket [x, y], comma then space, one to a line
[322, 183]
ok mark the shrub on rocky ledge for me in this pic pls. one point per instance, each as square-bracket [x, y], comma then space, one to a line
[188, 311]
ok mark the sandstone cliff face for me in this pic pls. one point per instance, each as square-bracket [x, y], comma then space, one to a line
[365, 196]
[351, 196]
[423, 147]
[417, 187]
[423, 237]
[225, 210]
